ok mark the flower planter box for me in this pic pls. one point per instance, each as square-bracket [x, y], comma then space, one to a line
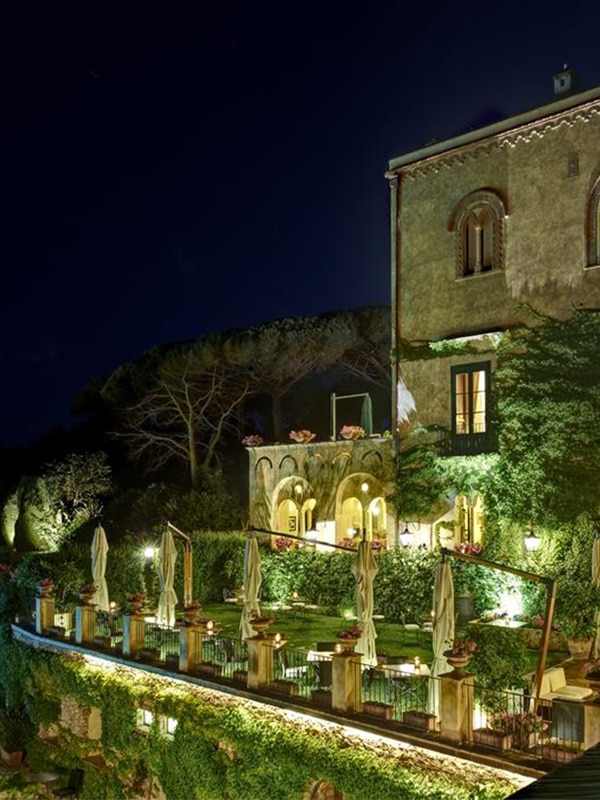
[288, 688]
[419, 719]
[379, 710]
[241, 676]
[554, 752]
[208, 668]
[321, 697]
[172, 661]
[494, 739]
[149, 654]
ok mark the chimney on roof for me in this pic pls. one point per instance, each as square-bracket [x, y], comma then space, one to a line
[565, 82]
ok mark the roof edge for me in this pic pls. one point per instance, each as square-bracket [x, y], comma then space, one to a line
[524, 118]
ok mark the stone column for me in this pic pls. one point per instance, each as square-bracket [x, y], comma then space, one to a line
[44, 614]
[133, 634]
[456, 723]
[190, 647]
[260, 662]
[346, 683]
[85, 624]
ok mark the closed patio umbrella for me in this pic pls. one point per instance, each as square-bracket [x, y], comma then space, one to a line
[596, 579]
[443, 632]
[364, 570]
[366, 415]
[99, 554]
[167, 601]
[252, 582]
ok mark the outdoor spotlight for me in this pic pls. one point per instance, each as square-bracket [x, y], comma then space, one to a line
[531, 541]
[364, 487]
[298, 488]
[406, 537]
[149, 551]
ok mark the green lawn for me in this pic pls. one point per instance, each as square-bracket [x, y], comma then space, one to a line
[303, 630]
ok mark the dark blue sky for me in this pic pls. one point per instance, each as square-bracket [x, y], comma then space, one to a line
[173, 169]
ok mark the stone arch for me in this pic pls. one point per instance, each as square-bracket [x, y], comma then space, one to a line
[288, 464]
[354, 504]
[293, 506]
[477, 221]
[592, 233]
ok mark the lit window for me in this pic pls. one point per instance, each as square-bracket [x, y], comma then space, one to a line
[470, 398]
[171, 725]
[145, 718]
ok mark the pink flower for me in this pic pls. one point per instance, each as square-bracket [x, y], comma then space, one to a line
[253, 440]
[352, 432]
[302, 437]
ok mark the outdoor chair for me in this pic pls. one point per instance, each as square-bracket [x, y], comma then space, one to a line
[410, 632]
[288, 670]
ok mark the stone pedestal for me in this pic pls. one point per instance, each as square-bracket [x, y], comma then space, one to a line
[85, 624]
[456, 723]
[133, 634]
[44, 614]
[261, 669]
[346, 683]
[190, 647]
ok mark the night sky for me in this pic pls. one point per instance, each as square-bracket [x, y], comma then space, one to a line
[171, 169]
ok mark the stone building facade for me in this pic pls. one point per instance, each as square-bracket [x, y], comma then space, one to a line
[484, 225]
[326, 491]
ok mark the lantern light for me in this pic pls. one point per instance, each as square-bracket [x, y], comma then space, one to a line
[531, 541]
[406, 537]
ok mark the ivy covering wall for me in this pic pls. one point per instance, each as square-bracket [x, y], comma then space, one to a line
[223, 747]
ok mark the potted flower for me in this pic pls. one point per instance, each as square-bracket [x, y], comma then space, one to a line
[191, 610]
[302, 437]
[253, 440]
[260, 624]
[349, 637]
[87, 592]
[45, 587]
[576, 605]
[352, 432]
[459, 655]
[283, 543]
[133, 602]
[505, 729]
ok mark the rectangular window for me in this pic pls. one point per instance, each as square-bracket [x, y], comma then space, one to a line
[470, 389]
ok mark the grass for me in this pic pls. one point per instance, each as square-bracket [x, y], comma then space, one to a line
[304, 630]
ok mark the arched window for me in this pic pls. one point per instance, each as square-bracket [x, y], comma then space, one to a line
[593, 225]
[478, 222]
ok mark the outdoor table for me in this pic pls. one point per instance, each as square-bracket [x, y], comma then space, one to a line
[405, 683]
[504, 623]
[322, 661]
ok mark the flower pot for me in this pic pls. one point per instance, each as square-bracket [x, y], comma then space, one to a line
[498, 740]
[379, 710]
[260, 627]
[554, 752]
[579, 648]
[458, 662]
[190, 614]
[419, 719]
[347, 644]
[86, 598]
